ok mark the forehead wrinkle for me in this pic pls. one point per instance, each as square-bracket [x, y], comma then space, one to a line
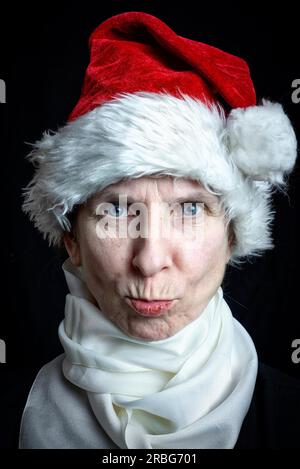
[133, 193]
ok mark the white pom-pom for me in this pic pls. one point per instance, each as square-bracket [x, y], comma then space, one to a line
[262, 142]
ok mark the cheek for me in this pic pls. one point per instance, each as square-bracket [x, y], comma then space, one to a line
[206, 255]
[103, 258]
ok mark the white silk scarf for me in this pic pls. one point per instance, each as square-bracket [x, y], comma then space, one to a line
[191, 390]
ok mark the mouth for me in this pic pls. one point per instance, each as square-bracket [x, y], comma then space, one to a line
[149, 308]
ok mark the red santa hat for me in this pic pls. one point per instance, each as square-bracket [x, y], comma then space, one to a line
[156, 103]
[137, 52]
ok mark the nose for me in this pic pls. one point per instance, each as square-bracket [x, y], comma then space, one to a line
[151, 256]
[152, 253]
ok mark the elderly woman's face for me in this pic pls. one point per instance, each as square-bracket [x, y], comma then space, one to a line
[167, 261]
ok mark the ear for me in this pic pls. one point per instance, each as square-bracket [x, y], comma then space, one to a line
[72, 247]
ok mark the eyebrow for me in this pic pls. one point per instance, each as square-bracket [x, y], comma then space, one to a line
[193, 196]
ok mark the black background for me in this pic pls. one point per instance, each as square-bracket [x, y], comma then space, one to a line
[44, 54]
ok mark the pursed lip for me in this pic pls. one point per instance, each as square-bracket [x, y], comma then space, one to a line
[150, 308]
[152, 299]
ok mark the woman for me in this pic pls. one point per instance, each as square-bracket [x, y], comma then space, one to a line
[161, 178]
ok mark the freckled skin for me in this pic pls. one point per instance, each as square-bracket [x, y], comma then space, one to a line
[189, 269]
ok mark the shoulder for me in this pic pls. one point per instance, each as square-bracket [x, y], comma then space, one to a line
[18, 384]
[274, 414]
[56, 412]
[43, 409]
[49, 372]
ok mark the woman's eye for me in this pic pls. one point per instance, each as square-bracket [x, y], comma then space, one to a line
[117, 210]
[192, 209]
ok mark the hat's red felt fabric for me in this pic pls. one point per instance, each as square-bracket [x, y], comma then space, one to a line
[136, 51]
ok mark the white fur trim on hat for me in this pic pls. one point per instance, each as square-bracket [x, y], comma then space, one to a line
[262, 141]
[146, 134]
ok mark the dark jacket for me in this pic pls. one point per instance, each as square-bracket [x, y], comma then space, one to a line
[273, 419]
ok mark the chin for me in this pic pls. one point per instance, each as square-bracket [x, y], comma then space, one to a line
[149, 332]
